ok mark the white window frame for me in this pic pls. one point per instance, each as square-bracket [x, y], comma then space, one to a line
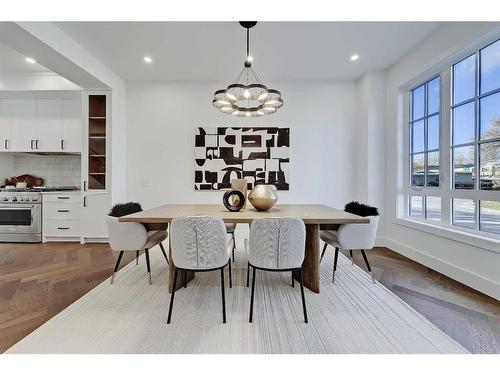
[445, 190]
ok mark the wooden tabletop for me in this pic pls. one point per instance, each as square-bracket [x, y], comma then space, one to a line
[310, 213]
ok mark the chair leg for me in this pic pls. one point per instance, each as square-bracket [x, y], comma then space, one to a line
[223, 295]
[172, 296]
[248, 274]
[252, 295]
[303, 296]
[137, 257]
[234, 244]
[163, 251]
[335, 263]
[184, 275]
[148, 265]
[293, 281]
[323, 252]
[230, 275]
[368, 265]
[352, 258]
[117, 265]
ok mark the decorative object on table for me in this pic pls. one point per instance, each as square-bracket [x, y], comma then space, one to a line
[263, 197]
[259, 155]
[233, 204]
[24, 181]
[241, 185]
[247, 96]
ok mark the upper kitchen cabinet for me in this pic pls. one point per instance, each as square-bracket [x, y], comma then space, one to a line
[41, 124]
[96, 160]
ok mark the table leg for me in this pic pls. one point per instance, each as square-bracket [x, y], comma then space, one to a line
[171, 270]
[310, 267]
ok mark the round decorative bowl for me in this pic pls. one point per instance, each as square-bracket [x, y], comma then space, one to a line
[263, 197]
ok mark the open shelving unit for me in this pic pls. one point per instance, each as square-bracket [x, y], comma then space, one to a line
[97, 142]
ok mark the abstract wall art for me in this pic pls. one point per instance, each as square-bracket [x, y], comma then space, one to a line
[260, 155]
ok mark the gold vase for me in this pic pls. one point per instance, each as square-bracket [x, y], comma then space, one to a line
[263, 197]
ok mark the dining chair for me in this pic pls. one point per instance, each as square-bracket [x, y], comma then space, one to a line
[276, 245]
[200, 244]
[133, 237]
[352, 237]
[230, 228]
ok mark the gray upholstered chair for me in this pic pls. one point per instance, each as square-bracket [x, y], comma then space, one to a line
[276, 245]
[351, 237]
[200, 244]
[133, 237]
[230, 228]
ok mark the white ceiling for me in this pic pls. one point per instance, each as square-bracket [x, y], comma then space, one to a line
[13, 62]
[214, 51]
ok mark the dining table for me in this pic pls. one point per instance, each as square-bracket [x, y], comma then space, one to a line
[313, 216]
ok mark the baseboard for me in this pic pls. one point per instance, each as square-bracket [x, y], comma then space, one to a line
[475, 281]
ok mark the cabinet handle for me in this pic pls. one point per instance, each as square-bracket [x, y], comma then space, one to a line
[6, 144]
[84, 201]
[62, 144]
[62, 210]
[62, 197]
[62, 227]
[84, 185]
[36, 144]
[32, 144]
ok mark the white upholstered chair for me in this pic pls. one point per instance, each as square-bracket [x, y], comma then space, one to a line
[200, 244]
[230, 228]
[133, 237]
[351, 237]
[276, 245]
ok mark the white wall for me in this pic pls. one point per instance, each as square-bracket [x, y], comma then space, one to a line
[474, 266]
[161, 121]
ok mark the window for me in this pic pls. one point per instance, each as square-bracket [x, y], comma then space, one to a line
[425, 134]
[461, 188]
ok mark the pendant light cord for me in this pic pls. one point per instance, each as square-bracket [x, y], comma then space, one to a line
[248, 43]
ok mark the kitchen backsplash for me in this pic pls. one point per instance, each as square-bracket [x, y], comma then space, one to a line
[56, 170]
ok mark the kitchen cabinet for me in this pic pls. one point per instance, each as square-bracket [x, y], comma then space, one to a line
[48, 125]
[71, 125]
[4, 125]
[95, 209]
[23, 125]
[61, 216]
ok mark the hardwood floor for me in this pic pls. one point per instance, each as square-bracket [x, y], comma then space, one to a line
[39, 280]
[468, 316]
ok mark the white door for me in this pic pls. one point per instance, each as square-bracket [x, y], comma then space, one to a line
[4, 125]
[72, 125]
[23, 124]
[49, 125]
[96, 208]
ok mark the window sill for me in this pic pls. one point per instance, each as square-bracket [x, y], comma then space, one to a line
[483, 242]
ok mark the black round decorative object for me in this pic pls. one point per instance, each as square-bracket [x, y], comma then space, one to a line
[226, 199]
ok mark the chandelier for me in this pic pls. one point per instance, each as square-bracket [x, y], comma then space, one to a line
[247, 96]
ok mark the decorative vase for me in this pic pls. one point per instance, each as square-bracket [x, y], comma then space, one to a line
[263, 197]
[231, 204]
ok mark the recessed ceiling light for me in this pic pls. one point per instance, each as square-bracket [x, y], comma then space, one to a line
[354, 57]
[148, 60]
[30, 60]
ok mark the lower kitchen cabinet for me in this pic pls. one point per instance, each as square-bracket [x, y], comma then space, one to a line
[95, 209]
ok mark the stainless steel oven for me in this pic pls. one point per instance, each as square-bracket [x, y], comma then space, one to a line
[20, 217]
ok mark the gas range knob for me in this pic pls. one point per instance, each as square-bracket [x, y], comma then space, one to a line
[14, 199]
[5, 199]
[34, 199]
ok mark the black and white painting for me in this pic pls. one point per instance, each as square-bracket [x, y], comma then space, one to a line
[260, 155]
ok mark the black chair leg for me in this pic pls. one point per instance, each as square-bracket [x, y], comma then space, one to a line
[323, 252]
[137, 257]
[163, 251]
[368, 265]
[172, 296]
[352, 258]
[303, 296]
[248, 274]
[335, 263]
[117, 265]
[230, 275]
[184, 276]
[293, 281]
[234, 244]
[223, 295]
[148, 265]
[252, 295]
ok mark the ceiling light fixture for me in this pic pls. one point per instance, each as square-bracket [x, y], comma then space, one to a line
[148, 60]
[247, 97]
[30, 60]
[354, 57]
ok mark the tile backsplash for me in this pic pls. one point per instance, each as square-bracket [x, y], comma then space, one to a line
[58, 170]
